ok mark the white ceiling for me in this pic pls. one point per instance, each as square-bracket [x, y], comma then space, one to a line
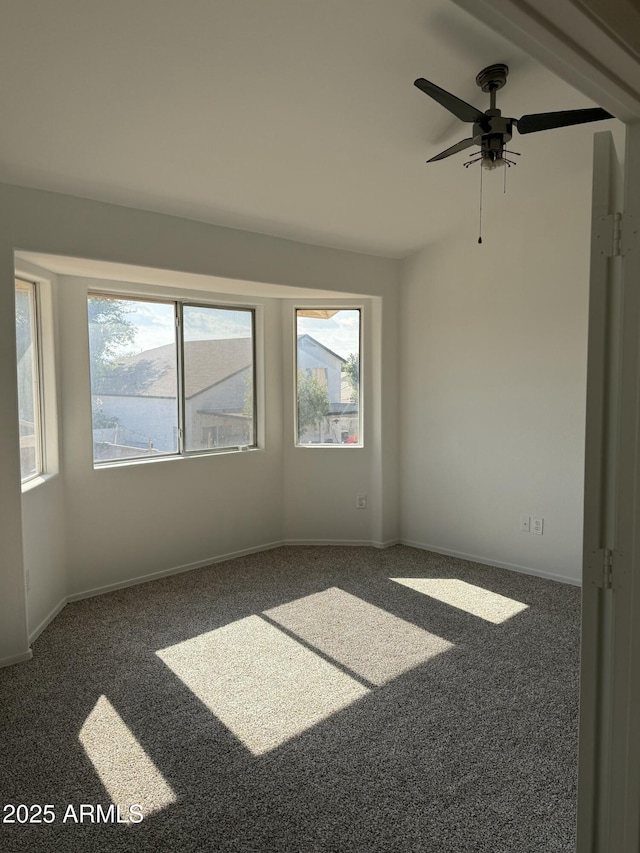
[295, 118]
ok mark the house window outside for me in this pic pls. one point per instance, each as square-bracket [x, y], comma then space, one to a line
[169, 378]
[29, 393]
[328, 410]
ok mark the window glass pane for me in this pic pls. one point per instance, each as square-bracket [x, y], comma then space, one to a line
[218, 378]
[134, 388]
[328, 376]
[28, 390]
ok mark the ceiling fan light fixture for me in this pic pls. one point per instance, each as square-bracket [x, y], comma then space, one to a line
[491, 163]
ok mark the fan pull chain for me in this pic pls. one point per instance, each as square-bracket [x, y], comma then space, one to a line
[480, 224]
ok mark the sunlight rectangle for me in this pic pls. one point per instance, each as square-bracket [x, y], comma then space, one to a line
[262, 685]
[480, 602]
[124, 768]
[366, 639]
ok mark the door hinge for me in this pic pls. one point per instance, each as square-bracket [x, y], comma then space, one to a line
[607, 569]
[618, 234]
[616, 248]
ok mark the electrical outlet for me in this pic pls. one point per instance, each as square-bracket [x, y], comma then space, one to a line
[537, 525]
[525, 523]
[361, 501]
[27, 578]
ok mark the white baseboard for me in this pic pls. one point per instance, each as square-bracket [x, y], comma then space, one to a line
[474, 558]
[187, 567]
[389, 543]
[21, 658]
[345, 543]
[33, 635]
[176, 570]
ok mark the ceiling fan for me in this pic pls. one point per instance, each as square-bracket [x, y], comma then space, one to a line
[492, 131]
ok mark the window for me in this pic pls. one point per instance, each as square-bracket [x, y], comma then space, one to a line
[169, 378]
[328, 376]
[29, 397]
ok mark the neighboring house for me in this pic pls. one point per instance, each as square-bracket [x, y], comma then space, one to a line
[341, 421]
[135, 403]
[139, 398]
[317, 360]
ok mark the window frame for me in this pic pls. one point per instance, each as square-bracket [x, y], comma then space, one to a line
[178, 305]
[337, 307]
[22, 282]
[182, 437]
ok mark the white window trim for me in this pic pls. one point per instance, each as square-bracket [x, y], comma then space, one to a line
[44, 281]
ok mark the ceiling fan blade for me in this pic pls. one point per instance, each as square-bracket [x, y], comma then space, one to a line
[459, 146]
[547, 121]
[459, 108]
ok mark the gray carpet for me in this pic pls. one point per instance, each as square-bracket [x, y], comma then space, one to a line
[302, 699]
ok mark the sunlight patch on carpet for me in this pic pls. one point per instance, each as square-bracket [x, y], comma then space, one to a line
[475, 600]
[124, 768]
[367, 640]
[262, 685]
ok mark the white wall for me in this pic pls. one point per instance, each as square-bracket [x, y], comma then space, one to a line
[45, 553]
[324, 509]
[493, 372]
[87, 529]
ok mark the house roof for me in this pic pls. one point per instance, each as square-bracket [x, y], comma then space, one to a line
[152, 373]
[314, 342]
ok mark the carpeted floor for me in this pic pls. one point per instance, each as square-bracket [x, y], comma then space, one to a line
[301, 699]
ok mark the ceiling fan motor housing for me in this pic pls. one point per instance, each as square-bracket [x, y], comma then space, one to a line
[492, 134]
[493, 126]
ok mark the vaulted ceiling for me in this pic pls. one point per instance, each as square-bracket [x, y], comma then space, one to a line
[295, 118]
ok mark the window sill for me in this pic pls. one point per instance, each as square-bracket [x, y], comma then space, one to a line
[173, 457]
[36, 482]
[329, 446]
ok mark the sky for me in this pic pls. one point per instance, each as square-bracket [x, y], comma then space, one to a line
[340, 333]
[154, 322]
